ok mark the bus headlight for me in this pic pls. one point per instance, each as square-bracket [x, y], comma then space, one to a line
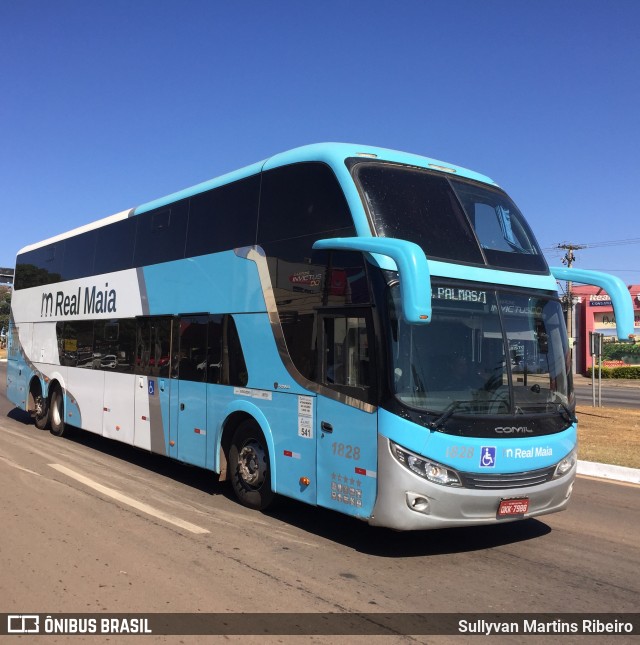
[425, 468]
[566, 464]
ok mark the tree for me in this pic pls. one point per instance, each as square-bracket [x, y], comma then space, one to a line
[5, 308]
[627, 352]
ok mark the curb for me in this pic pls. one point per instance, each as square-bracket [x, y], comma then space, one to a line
[606, 471]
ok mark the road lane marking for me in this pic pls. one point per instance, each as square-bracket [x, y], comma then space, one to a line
[17, 466]
[129, 501]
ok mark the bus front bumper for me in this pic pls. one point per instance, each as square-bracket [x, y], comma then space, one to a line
[406, 501]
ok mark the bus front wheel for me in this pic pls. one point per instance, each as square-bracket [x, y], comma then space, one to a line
[249, 467]
[57, 413]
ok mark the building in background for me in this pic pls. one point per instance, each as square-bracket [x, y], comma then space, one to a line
[594, 313]
[6, 277]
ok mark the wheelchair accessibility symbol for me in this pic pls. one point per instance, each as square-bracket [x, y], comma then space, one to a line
[488, 457]
[152, 387]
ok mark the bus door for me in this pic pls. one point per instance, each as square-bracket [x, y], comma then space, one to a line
[15, 380]
[154, 411]
[347, 425]
[192, 390]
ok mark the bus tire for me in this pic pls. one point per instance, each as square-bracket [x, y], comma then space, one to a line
[249, 467]
[56, 413]
[41, 412]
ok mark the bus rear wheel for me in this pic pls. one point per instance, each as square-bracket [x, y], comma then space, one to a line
[57, 413]
[249, 467]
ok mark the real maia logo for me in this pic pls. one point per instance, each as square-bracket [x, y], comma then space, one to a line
[90, 301]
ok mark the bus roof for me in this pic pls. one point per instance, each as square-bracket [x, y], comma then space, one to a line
[76, 231]
[334, 154]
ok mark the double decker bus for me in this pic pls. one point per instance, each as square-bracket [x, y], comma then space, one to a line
[360, 329]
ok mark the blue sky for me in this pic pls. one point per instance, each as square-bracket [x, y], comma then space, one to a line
[108, 104]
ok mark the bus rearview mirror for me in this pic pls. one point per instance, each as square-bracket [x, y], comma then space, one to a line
[411, 262]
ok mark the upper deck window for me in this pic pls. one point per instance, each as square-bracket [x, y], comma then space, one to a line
[503, 233]
[223, 218]
[300, 200]
[161, 234]
[451, 219]
[40, 266]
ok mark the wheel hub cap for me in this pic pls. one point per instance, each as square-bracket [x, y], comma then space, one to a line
[251, 463]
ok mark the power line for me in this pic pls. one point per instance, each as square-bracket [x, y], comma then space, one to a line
[594, 245]
[566, 251]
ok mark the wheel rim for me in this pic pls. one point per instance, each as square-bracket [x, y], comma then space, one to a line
[252, 463]
[40, 407]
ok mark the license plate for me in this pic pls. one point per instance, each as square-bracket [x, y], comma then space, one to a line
[510, 507]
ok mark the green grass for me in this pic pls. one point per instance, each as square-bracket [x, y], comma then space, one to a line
[609, 435]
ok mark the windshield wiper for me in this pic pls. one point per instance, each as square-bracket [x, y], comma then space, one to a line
[442, 419]
[567, 415]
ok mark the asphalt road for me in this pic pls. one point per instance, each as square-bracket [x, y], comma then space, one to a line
[89, 525]
[615, 395]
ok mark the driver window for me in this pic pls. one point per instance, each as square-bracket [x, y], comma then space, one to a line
[347, 360]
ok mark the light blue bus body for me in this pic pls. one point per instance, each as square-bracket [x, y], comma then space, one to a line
[228, 358]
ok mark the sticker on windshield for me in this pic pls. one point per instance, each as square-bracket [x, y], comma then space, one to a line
[488, 457]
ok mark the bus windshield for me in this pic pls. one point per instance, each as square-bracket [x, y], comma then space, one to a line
[486, 352]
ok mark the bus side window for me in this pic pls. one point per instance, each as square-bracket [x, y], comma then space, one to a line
[223, 218]
[114, 344]
[153, 346]
[114, 246]
[85, 333]
[79, 254]
[300, 204]
[193, 348]
[40, 266]
[235, 365]
[75, 343]
[299, 200]
[161, 235]
[347, 361]
[226, 364]
[214, 351]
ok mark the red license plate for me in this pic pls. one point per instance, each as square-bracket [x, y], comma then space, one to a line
[510, 507]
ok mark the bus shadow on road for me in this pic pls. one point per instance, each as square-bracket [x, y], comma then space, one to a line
[324, 523]
[20, 416]
[197, 478]
[387, 543]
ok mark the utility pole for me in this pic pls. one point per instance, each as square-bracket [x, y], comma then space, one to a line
[568, 259]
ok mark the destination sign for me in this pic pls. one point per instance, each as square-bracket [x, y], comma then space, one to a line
[461, 295]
